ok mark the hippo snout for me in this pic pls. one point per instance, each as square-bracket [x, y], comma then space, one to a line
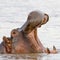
[45, 20]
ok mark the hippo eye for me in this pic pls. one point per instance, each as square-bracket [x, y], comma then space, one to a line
[14, 32]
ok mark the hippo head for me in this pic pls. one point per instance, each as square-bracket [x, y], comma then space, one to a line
[35, 19]
[38, 18]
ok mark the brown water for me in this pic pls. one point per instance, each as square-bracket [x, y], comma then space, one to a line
[30, 56]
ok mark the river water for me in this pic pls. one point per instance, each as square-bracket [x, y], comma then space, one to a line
[13, 14]
[30, 57]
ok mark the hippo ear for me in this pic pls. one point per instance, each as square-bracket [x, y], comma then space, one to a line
[14, 33]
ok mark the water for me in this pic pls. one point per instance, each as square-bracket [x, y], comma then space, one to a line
[35, 56]
[13, 14]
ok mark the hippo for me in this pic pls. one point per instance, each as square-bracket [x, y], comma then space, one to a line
[25, 39]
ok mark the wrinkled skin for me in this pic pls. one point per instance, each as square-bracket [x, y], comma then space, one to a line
[25, 39]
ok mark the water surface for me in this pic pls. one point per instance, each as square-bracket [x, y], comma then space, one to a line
[36, 56]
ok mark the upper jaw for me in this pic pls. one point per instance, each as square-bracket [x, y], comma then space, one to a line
[45, 20]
